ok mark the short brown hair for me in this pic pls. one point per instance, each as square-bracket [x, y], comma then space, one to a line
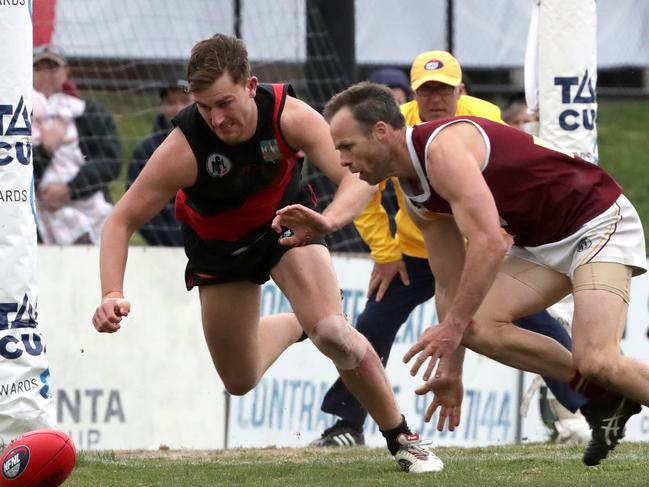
[212, 58]
[369, 103]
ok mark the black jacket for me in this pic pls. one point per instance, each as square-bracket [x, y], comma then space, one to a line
[162, 229]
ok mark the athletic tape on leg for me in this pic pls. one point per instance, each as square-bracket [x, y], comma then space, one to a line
[603, 276]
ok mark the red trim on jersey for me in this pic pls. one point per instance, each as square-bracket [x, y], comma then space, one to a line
[279, 137]
[259, 208]
[231, 225]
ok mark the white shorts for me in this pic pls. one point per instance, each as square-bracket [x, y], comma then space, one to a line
[613, 236]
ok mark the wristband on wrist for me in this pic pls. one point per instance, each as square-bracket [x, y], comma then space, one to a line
[113, 294]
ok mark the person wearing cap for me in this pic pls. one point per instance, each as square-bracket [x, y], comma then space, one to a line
[396, 80]
[76, 157]
[401, 278]
[162, 229]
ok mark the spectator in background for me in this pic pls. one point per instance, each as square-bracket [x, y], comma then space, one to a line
[76, 155]
[162, 229]
[516, 114]
[396, 80]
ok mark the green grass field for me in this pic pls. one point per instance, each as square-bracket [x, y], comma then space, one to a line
[518, 465]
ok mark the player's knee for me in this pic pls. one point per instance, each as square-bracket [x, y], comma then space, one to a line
[339, 341]
[599, 367]
[481, 337]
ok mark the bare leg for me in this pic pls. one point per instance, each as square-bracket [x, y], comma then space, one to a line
[494, 335]
[276, 333]
[243, 347]
[599, 320]
[370, 385]
[305, 275]
[597, 330]
[520, 288]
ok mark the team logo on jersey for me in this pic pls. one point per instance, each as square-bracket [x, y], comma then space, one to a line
[218, 165]
[584, 243]
[270, 150]
[433, 64]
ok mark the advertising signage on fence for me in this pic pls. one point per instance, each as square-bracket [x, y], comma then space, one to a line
[153, 384]
[150, 385]
[284, 409]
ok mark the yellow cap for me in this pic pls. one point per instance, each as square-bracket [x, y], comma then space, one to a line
[438, 66]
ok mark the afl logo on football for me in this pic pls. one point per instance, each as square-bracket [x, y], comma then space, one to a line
[584, 244]
[433, 64]
[218, 165]
[15, 462]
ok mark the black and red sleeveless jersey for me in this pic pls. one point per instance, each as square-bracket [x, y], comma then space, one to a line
[239, 186]
[542, 194]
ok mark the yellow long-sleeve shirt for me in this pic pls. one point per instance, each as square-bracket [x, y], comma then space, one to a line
[374, 225]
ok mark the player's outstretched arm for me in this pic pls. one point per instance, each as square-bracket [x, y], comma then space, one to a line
[306, 129]
[445, 247]
[454, 165]
[172, 166]
[446, 252]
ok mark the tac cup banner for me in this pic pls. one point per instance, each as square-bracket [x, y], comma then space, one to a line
[25, 399]
[567, 75]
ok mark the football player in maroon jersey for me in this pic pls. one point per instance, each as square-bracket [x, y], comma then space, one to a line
[570, 230]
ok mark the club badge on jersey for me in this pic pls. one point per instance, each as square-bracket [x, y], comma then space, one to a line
[270, 150]
[218, 165]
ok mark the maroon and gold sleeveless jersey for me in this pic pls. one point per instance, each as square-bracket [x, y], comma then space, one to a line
[542, 194]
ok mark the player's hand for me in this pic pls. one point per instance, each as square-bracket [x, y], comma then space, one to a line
[109, 314]
[304, 224]
[382, 275]
[435, 343]
[448, 393]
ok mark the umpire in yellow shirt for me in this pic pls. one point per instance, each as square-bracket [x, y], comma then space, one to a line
[436, 81]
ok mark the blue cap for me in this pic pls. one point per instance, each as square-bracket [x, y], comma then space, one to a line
[391, 77]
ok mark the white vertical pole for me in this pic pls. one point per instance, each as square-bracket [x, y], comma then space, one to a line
[25, 398]
[567, 75]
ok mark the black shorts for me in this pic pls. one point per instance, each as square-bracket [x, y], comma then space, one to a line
[249, 259]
